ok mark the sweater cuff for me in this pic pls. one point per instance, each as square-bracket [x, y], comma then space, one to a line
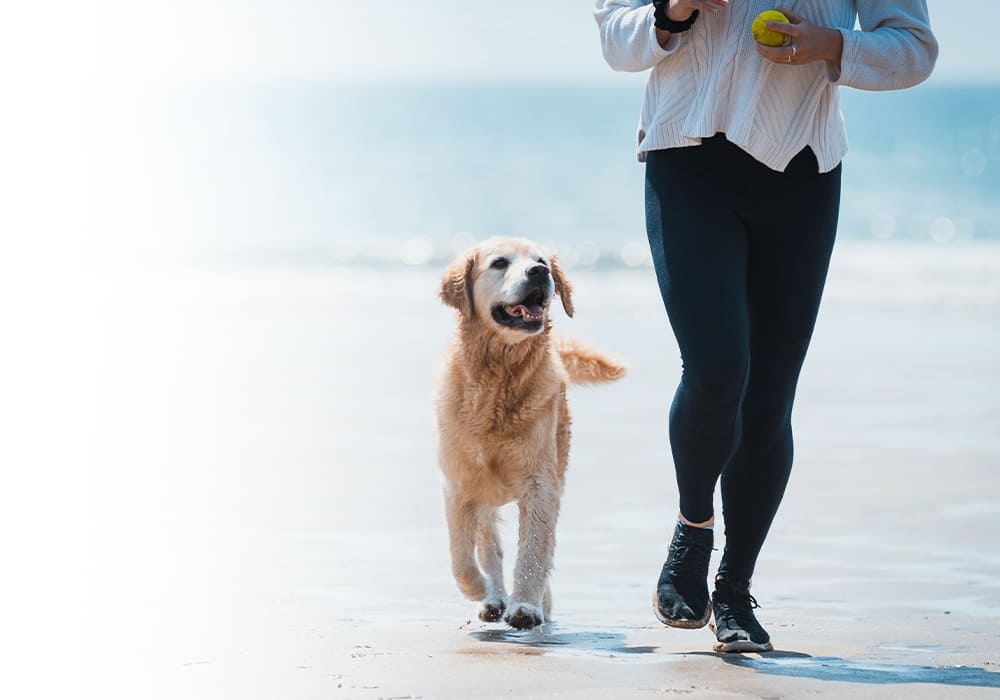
[843, 74]
[673, 43]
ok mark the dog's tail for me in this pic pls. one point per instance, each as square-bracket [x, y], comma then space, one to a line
[586, 365]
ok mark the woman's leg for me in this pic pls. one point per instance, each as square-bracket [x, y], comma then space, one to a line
[792, 219]
[699, 249]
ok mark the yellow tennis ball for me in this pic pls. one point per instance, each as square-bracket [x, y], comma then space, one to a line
[764, 35]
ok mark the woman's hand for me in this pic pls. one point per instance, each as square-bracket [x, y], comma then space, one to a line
[680, 10]
[809, 43]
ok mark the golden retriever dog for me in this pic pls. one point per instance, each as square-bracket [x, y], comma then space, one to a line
[503, 422]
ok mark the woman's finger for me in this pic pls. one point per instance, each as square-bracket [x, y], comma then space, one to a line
[785, 55]
[784, 28]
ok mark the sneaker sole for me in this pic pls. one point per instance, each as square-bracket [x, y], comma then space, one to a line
[740, 645]
[681, 623]
[743, 645]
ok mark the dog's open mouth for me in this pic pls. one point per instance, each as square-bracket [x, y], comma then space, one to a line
[528, 314]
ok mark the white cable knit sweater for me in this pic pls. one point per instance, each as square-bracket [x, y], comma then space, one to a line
[710, 79]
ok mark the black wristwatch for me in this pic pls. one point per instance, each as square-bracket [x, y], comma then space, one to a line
[661, 21]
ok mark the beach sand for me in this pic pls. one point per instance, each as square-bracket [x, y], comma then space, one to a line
[261, 513]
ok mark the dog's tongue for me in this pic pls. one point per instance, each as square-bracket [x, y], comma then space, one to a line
[526, 311]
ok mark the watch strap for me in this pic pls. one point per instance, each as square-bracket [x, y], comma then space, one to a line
[661, 21]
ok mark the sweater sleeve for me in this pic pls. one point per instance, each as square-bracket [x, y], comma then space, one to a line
[894, 49]
[628, 37]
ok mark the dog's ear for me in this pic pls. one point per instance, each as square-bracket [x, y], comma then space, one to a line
[456, 286]
[563, 288]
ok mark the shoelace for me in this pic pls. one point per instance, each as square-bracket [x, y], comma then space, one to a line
[687, 556]
[739, 608]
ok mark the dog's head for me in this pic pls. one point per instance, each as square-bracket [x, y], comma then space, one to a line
[507, 283]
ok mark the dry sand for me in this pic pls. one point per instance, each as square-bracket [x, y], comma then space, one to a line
[259, 515]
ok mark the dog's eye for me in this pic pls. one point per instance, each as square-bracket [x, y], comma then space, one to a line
[542, 261]
[499, 264]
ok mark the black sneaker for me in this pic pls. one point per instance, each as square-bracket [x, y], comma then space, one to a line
[681, 598]
[736, 628]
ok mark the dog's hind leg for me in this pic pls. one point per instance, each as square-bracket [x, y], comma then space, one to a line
[547, 601]
[490, 555]
[462, 522]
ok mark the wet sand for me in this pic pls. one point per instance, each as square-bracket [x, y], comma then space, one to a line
[263, 514]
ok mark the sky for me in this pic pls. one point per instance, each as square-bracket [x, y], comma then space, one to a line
[366, 41]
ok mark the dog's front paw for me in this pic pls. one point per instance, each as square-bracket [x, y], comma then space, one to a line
[524, 616]
[492, 609]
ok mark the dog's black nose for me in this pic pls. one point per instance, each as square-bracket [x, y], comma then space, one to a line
[538, 271]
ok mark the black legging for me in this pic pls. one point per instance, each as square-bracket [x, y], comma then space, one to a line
[741, 254]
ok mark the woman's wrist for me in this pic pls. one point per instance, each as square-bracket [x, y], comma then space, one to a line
[664, 21]
[682, 14]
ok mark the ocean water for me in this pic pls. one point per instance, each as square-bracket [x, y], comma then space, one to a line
[323, 174]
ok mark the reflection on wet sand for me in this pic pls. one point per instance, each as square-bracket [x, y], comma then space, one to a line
[550, 638]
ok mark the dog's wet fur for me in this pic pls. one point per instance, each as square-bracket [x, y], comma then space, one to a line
[503, 421]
